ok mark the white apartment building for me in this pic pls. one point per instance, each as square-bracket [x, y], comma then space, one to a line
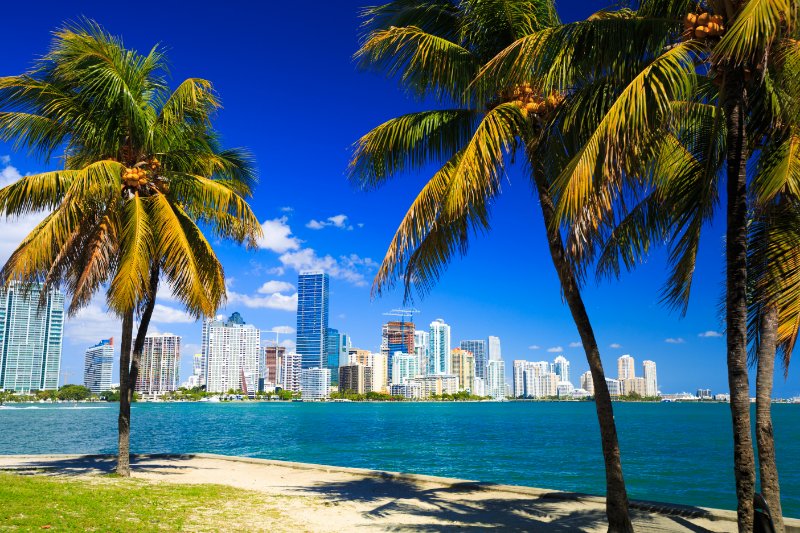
[587, 382]
[480, 387]
[626, 367]
[650, 379]
[160, 365]
[436, 385]
[315, 383]
[560, 368]
[405, 366]
[496, 379]
[230, 352]
[422, 341]
[494, 349]
[439, 348]
[97, 366]
[410, 390]
[290, 372]
[614, 388]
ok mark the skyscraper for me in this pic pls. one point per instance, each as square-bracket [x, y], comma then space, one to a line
[333, 344]
[404, 367]
[97, 365]
[160, 364]
[494, 349]
[587, 382]
[30, 337]
[439, 348]
[422, 341]
[561, 368]
[496, 379]
[478, 349]
[290, 375]
[396, 336]
[650, 379]
[355, 378]
[625, 367]
[231, 353]
[312, 318]
[315, 383]
[273, 362]
[463, 366]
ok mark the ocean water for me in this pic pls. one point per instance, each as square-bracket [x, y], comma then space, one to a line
[677, 452]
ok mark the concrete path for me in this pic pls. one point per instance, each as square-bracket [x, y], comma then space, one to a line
[321, 498]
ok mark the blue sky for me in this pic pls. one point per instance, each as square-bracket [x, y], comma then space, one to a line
[292, 94]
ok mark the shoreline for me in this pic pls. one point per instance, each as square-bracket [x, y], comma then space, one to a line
[404, 498]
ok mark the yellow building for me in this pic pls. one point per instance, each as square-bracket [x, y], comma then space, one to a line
[462, 363]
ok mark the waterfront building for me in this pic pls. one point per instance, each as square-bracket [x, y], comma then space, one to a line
[332, 350]
[315, 383]
[587, 382]
[409, 390]
[422, 340]
[404, 367]
[495, 379]
[560, 368]
[290, 373]
[650, 379]
[480, 387]
[436, 385]
[580, 393]
[355, 378]
[360, 357]
[630, 386]
[396, 336]
[197, 369]
[231, 355]
[494, 349]
[312, 318]
[379, 372]
[614, 389]
[564, 389]
[30, 337]
[273, 365]
[98, 363]
[626, 367]
[160, 365]
[534, 379]
[548, 384]
[478, 349]
[518, 377]
[463, 365]
[704, 394]
[439, 348]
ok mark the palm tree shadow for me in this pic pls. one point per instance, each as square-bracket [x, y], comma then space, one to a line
[95, 464]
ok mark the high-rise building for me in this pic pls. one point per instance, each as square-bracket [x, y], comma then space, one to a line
[359, 356]
[480, 387]
[30, 337]
[439, 348]
[97, 366]
[195, 380]
[315, 383]
[478, 349]
[290, 373]
[534, 379]
[333, 350]
[160, 365]
[496, 379]
[587, 382]
[273, 365]
[355, 378]
[494, 349]
[422, 341]
[463, 366]
[312, 318]
[396, 336]
[379, 363]
[625, 367]
[560, 368]
[231, 355]
[518, 377]
[650, 379]
[404, 367]
[614, 388]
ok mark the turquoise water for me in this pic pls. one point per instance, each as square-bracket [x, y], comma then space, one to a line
[671, 452]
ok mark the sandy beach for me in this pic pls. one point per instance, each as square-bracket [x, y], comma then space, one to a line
[319, 498]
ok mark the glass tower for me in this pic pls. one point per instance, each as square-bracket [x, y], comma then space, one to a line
[30, 337]
[478, 349]
[332, 353]
[98, 363]
[312, 319]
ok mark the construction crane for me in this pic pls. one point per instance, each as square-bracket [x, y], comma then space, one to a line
[403, 313]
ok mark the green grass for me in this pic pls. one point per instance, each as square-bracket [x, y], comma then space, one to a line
[104, 503]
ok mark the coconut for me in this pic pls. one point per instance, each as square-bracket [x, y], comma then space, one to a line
[689, 20]
[700, 32]
[713, 28]
[703, 19]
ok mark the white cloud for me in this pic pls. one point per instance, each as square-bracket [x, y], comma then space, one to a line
[91, 324]
[169, 315]
[287, 209]
[710, 333]
[17, 228]
[277, 236]
[348, 268]
[282, 330]
[615, 345]
[5, 159]
[274, 286]
[674, 340]
[534, 347]
[336, 221]
[189, 349]
[555, 349]
[276, 300]
[576, 344]
[289, 344]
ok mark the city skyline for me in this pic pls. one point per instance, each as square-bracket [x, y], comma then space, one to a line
[348, 233]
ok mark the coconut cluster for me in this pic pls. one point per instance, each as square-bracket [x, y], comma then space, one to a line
[703, 25]
[525, 98]
[134, 177]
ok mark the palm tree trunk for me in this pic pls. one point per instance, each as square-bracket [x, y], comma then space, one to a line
[124, 420]
[768, 469]
[616, 495]
[736, 296]
[144, 324]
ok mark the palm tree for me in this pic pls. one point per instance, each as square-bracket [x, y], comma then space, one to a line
[641, 79]
[142, 172]
[437, 48]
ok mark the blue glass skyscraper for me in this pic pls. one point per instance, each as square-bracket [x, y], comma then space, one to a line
[312, 319]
